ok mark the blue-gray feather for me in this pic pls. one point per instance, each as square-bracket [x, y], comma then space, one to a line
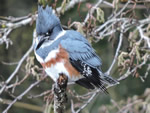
[80, 49]
[46, 20]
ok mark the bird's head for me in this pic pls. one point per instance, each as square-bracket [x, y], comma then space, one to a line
[47, 25]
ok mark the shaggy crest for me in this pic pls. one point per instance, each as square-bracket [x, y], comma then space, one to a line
[46, 20]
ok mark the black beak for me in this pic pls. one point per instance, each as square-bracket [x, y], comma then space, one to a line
[42, 40]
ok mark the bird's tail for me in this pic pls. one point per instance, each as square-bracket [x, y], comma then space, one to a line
[108, 79]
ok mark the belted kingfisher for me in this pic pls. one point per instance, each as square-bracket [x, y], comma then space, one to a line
[68, 52]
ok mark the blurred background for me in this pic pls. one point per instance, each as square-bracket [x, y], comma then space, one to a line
[22, 40]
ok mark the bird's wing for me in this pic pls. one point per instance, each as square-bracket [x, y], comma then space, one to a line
[81, 50]
[84, 59]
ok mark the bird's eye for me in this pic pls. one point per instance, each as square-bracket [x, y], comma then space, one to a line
[49, 32]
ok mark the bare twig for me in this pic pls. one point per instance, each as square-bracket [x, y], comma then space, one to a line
[18, 83]
[86, 103]
[115, 103]
[129, 105]
[91, 11]
[106, 3]
[117, 51]
[120, 11]
[128, 72]
[147, 39]
[6, 40]
[40, 95]
[129, 23]
[17, 68]
[22, 94]
[72, 107]
[9, 63]
[70, 5]
[23, 22]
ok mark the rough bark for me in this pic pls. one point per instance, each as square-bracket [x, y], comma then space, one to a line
[60, 96]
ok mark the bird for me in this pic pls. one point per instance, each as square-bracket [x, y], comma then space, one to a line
[67, 52]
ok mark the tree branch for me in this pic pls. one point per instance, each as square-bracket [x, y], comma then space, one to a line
[22, 94]
[60, 96]
[17, 68]
[117, 51]
[91, 12]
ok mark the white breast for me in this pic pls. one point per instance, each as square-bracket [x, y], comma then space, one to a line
[55, 70]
